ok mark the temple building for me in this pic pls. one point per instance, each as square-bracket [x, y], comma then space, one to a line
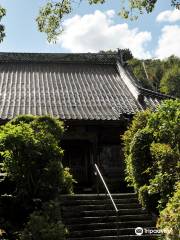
[96, 96]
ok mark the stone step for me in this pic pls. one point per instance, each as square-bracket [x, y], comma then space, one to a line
[98, 196]
[103, 219]
[103, 232]
[109, 225]
[92, 217]
[78, 202]
[77, 213]
[101, 206]
[122, 237]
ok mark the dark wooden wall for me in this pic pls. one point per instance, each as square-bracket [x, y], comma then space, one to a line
[95, 143]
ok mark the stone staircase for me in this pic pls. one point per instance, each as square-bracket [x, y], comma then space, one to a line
[92, 217]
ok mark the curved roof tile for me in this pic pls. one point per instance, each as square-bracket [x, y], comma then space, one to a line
[68, 86]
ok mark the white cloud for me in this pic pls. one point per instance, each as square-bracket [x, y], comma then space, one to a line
[110, 13]
[97, 31]
[168, 43]
[169, 16]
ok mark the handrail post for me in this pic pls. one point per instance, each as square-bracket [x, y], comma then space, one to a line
[97, 182]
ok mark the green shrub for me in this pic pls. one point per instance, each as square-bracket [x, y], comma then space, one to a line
[140, 157]
[169, 219]
[152, 153]
[143, 196]
[166, 172]
[139, 122]
[32, 160]
[23, 118]
[49, 125]
[68, 181]
[45, 224]
[165, 123]
[147, 199]
[170, 81]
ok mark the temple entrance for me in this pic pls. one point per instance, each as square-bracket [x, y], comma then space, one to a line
[77, 156]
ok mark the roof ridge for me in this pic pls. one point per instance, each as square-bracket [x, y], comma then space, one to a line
[109, 58]
[128, 80]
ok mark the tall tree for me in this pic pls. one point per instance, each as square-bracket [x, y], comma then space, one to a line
[171, 81]
[158, 75]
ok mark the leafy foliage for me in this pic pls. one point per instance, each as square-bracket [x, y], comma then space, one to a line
[146, 199]
[148, 72]
[138, 5]
[50, 18]
[170, 81]
[169, 219]
[166, 165]
[31, 156]
[152, 153]
[68, 181]
[140, 157]
[2, 28]
[45, 224]
[139, 122]
[51, 15]
[158, 75]
[136, 67]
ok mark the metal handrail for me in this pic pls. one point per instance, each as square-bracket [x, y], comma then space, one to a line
[106, 187]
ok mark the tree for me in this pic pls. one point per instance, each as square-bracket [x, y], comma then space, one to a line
[169, 219]
[152, 152]
[139, 73]
[171, 81]
[29, 148]
[52, 13]
[158, 75]
[30, 155]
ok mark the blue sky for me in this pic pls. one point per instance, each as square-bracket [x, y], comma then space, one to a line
[94, 28]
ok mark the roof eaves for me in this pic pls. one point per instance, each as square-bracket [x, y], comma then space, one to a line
[149, 92]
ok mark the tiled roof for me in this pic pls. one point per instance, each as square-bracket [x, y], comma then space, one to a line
[68, 86]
